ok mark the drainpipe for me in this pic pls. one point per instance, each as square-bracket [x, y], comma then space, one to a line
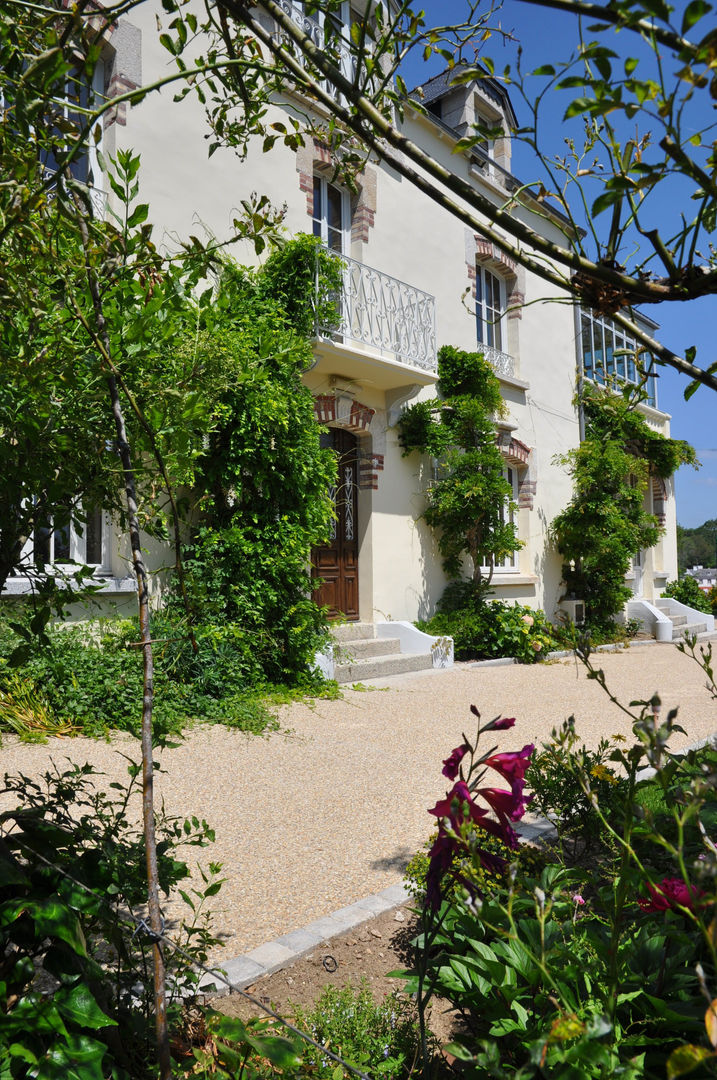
[581, 369]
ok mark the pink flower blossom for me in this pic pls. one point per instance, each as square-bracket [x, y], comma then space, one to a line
[670, 893]
[501, 723]
[577, 899]
[513, 764]
[452, 763]
[510, 804]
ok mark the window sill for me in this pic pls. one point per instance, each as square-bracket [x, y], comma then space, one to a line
[20, 586]
[514, 579]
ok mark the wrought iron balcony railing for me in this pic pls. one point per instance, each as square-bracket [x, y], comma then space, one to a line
[501, 362]
[381, 312]
[332, 43]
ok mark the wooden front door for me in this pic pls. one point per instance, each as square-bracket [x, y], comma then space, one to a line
[336, 562]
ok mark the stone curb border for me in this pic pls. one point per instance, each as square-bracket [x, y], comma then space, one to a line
[274, 955]
[614, 646]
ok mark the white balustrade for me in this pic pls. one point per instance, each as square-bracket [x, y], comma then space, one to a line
[501, 362]
[384, 313]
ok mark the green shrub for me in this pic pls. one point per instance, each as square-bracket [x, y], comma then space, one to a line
[76, 990]
[488, 630]
[89, 676]
[687, 591]
[557, 777]
[381, 1039]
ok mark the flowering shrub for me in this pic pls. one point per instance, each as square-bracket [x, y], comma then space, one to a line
[488, 630]
[461, 819]
[582, 970]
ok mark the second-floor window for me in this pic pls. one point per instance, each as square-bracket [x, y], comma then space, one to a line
[331, 215]
[609, 352]
[490, 308]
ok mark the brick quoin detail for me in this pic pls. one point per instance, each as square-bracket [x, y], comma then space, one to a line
[526, 491]
[369, 468]
[359, 418]
[487, 251]
[118, 84]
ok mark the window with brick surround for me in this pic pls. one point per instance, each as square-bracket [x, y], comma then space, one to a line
[331, 215]
[490, 308]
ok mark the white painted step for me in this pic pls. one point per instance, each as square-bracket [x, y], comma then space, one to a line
[377, 667]
[347, 651]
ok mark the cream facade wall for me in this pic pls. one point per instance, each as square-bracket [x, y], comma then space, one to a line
[401, 233]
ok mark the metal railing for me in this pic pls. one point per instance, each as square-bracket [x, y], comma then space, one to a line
[384, 313]
[333, 43]
[501, 362]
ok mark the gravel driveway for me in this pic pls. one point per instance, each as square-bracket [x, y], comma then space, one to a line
[309, 821]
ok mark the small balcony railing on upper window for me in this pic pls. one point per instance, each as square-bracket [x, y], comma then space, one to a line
[381, 312]
[334, 43]
[502, 364]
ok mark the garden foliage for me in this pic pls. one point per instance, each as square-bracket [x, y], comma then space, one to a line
[605, 524]
[75, 976]
[485, 629]
[688, 592]
[591, 968]
[470, 502]
[260, 488]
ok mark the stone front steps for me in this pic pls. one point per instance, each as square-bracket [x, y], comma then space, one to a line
[681, 625]
[359, 654]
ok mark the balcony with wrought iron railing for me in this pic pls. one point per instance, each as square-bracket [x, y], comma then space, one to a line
[382, 315]
[502, 363]
[333, 43]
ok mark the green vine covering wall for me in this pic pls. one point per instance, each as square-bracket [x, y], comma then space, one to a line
[606, 523]
[261, 487]
[470, 501]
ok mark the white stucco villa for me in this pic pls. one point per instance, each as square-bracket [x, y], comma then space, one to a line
[415, 278]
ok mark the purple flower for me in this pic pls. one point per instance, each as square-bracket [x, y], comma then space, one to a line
[506, 804]
[452, 763]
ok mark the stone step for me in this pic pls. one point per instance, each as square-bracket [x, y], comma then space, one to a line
[352, 631]
[690, 628]
[677, 620]
[380, 666]
[347, 651]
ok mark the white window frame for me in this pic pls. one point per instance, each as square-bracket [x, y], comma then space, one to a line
[490, 327]
[323, 221]
[78, 550]
[599, 364]
[508, 565]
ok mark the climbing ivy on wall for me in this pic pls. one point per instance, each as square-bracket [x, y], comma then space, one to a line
[261, 487]
[605, 523]
[470, 502]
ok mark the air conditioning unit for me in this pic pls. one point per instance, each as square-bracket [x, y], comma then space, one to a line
[574, 611]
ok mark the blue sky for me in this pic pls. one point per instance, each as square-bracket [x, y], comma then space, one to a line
[546, 35]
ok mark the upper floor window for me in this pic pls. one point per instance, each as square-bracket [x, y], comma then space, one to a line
[331, 215]
[490, 308]
[331, 32]
[608, 352]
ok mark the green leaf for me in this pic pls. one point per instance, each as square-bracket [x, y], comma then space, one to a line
[686, 1058]
[51, 918]
[545, 69]
[138, 216]
[694, 11]
[77, 1004]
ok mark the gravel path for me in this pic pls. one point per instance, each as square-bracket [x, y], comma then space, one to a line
[309, 821]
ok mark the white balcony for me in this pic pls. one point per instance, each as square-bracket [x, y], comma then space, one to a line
[384, 318]
[335, 44]
[503, 364]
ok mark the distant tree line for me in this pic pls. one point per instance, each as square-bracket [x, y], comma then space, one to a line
[697, 547]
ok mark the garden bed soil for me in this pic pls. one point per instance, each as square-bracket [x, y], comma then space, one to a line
[363, 955]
